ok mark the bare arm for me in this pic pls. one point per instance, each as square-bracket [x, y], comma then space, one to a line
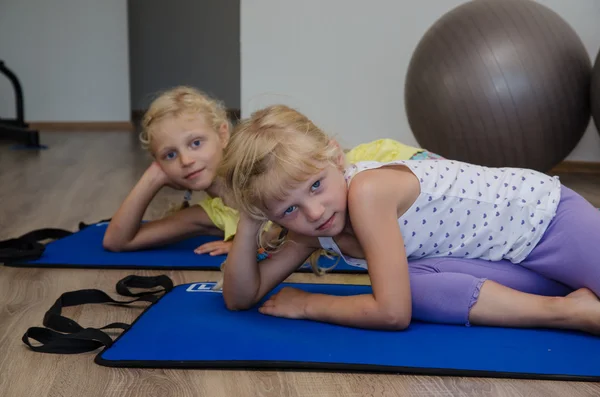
[126, 233]
[245, 282]
[373, 204]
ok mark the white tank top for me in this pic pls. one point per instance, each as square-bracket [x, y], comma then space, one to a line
[470, 211]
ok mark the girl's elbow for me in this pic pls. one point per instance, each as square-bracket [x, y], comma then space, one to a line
[402, 323]
[396, 320]
[111, 244]
[236, 304]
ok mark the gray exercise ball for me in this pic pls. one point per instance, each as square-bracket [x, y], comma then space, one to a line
[595, 93]
[501, 83]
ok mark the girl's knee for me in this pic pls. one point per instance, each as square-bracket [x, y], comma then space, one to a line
[444, 297]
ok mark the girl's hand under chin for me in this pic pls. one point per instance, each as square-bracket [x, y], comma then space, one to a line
[160, 177]
[289, 302]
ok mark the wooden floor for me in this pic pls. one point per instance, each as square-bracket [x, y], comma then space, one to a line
[84, 177]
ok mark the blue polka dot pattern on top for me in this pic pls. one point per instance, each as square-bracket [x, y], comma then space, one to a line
[465, 210]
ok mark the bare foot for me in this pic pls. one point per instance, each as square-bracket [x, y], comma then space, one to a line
[586, 309]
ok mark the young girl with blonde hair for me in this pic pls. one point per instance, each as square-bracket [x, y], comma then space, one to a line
[443, 241]
[185, 130]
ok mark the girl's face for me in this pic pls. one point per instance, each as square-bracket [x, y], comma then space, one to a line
[316, 207]
[189, 150]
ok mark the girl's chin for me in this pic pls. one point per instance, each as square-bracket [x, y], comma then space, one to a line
[196, 185]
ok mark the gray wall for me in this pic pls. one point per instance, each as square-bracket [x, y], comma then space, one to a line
[184, 42]
[344, 61]
[71, 57]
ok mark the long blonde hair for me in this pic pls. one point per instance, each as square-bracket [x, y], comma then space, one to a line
[270, 152]
[174, 103]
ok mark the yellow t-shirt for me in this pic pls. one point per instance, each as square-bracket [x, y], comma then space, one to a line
[382, 150]
[226, 218]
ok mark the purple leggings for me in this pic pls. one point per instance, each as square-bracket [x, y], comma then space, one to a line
[566, 258]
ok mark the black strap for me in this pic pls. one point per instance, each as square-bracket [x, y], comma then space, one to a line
[45, 234]
[83, 225]
[55, 320]
[64, 335]
[51, 341]
[28, 246]
[148, 282]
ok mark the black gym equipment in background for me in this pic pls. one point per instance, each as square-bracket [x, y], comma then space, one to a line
[16, 129]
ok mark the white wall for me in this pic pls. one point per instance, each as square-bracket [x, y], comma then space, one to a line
[71, 57]
[343, 62]
[187, 42]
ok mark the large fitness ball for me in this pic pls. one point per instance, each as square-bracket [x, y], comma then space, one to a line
[500, 83]
[596, 92]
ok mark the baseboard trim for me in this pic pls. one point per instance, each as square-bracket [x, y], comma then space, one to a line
[68, 126]
[576, 167]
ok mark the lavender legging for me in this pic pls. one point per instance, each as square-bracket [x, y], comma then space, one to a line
[566, 258]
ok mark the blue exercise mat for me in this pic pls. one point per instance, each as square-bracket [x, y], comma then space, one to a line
[178, 331]
[83, 249]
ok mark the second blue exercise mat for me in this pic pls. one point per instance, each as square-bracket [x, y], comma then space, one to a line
[178, 332]
[83, 249]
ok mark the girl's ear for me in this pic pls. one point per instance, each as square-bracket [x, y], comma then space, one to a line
[224, 133]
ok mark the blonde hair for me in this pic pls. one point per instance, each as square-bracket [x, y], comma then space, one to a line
[174, 103]
[270, 152]
[178, 101]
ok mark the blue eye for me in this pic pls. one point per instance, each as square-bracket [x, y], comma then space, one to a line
[289, 210]
[196, 143]
[316, 185]
[170, 156]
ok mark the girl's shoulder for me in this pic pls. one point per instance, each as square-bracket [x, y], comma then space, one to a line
[375, 173]
[355, 168]
[381, 184]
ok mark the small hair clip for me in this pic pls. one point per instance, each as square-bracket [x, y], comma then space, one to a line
[262, 254]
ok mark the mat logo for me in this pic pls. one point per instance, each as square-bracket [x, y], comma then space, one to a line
[202, 287]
